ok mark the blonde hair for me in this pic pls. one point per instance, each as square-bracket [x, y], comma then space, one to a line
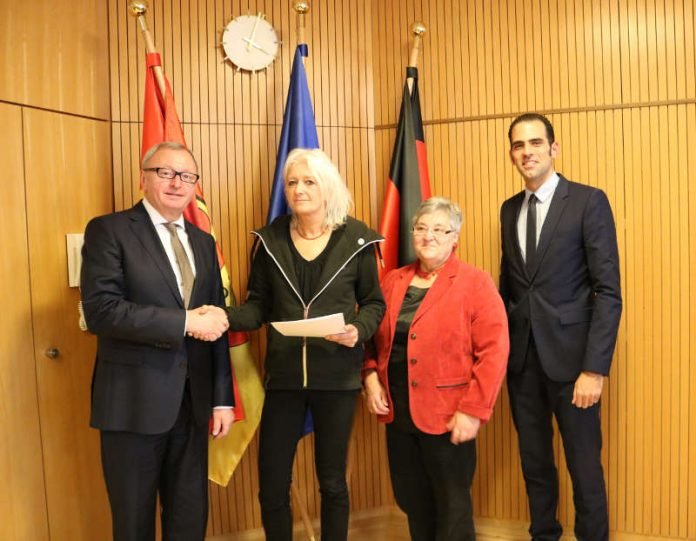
[166, 145]
[337, 199]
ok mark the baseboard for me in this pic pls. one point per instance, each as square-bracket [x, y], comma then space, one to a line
[390, 518]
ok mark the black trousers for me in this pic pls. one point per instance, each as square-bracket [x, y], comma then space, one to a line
[534, 399]
[175, 464]
[282, 423]
[431, 479]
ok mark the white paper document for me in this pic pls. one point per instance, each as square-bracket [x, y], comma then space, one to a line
[316, 326]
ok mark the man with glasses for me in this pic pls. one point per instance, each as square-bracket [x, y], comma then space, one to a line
[145, 270]
[559, 279]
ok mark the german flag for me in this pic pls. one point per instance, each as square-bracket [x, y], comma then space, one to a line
[409, 183]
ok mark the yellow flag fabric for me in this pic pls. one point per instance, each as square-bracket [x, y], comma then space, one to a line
[224, 454]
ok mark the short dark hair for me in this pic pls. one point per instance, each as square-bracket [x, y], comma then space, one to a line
[531, 117]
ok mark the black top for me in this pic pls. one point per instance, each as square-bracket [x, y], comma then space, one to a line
[309, 271]
[398, 367]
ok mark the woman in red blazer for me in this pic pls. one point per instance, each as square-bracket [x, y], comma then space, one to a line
[433, 372]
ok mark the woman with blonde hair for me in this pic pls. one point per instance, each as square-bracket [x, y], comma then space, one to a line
[313, 262]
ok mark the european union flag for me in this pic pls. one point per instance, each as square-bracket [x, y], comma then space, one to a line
[299, 129]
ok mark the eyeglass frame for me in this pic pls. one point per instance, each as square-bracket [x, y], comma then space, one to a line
[437, 234]
[176, 173]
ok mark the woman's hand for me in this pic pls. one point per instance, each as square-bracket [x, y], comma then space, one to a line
[375, 395]
[463, 427]
[348, 338]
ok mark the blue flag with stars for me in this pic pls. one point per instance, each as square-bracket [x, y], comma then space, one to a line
[299, 130]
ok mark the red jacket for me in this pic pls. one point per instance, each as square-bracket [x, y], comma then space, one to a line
[457, 347]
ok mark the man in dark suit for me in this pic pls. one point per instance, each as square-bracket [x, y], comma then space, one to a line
[154, 388]
[560, 283]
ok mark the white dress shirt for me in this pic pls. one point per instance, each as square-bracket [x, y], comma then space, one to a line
[158, 220]
[165, 237]
[544, 195]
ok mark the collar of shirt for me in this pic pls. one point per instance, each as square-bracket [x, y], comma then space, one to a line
[545, 191]
[158, 221]
[157, 218]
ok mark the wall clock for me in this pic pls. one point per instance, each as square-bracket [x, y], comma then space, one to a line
[250, 42]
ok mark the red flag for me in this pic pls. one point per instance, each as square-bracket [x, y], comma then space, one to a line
[161, 123]
[409, 183]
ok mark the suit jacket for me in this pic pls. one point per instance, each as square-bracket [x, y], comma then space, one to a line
[571, 301]
[132, 303]
[457, 347]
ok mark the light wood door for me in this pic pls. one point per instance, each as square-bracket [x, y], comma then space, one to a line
[68, 179]
[22, 503]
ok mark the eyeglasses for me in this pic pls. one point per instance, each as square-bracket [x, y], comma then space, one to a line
[437, 232]
[169, 174]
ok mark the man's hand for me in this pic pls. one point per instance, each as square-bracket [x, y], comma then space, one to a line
[588, 389]
[348, 338]
[222, 421]
[463, 427]
[375, 395]
[206, 323]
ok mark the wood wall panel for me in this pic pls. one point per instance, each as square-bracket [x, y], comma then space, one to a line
[617, 80]
[74, 153]
[51, 56]
[53, 81]
[22, 502]
[233, 121]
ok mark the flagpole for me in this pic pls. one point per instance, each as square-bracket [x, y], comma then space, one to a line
[301, 7]
[417, 29]
[138, 8]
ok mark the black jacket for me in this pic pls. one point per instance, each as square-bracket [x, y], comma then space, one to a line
[349, 279]
[132, 303]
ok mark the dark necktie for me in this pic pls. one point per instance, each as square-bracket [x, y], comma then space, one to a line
[530, 247]
[183, 261]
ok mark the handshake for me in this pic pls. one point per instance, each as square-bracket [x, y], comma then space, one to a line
[206, 323]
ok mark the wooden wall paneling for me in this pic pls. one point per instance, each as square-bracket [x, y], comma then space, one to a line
[51, 56]
[690, 492]
[680, 471]
[356, 105]
[74, 153]
[671, 458]
[619, 400]
[615, 151]
[23, 513]
[632, 298]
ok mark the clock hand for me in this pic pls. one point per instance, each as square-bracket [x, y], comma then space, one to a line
[250, 40]
[250, 43]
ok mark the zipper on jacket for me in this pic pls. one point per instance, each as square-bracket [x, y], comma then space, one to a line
[305, 307]
[304, 353]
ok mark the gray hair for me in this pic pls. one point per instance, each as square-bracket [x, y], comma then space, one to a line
[166, 145]
[337, 199]
[435, 204]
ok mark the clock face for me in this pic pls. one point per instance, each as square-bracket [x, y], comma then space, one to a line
[250, 42]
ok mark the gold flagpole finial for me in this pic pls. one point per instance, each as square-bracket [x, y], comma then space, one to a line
[138, 7]
[418, 29]
[301, 7]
